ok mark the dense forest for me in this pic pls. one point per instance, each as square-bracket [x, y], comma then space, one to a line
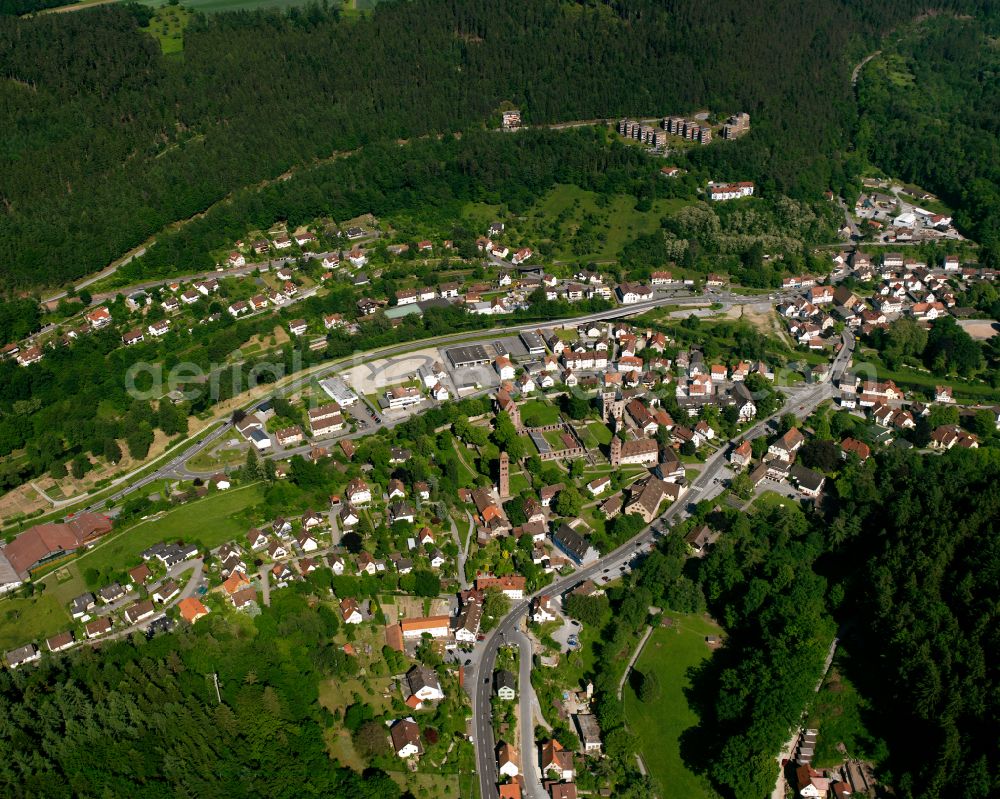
[902, 565]
[916, 549]
[930, 113]
[143, 719]
[107, 141]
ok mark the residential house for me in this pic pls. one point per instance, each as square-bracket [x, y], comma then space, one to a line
[358, 492]
[29, 653]
[350, 611]
[191, 609]
[508, 760]
[98, 627]
[256, 539]
[139, 611]
[61, 642]
[556, 761]
[424, 684]
[405, 736]
[505, 685]
[786, 446]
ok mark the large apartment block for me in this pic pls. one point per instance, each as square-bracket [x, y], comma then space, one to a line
[736, 125]
[689, 129]
[646, 134]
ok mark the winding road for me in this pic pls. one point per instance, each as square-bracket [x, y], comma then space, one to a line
[801, 401]
[175, 466]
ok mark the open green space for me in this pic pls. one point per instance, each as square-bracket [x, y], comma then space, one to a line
[167, 27]
[583, 224]
[670, 653]
[577, 223]
[598, 432]
[205, 461]
[519, 483]
[554, 437]
[32, 619]
[535, 413]
[770, 500]
[466, 476]
[211, 521]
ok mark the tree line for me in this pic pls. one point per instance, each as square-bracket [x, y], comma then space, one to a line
[901, 564]
[142, 718]
[107, 141]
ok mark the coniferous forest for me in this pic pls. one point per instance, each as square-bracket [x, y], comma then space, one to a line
[144, 719]
[106, 140]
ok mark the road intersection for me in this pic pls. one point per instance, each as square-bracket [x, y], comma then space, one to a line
[801, 401]
[175, 467]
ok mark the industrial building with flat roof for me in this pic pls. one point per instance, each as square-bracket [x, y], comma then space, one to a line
[468, 355]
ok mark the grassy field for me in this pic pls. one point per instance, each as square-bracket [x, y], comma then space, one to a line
[597, 433]
[204, 462]
[167, 27]
[31, 619]
[535, 413]
[573, 212]
[670, 652]
[211, 521]
[580, 224]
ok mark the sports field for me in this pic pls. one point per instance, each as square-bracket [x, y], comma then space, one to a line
[669, 653]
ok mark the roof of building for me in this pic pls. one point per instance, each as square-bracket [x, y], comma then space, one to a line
[45, 540]
[191, 609]
[405, 732]
[423, 623]
[421, 676]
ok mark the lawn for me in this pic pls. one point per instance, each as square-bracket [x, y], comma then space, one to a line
[466, 477]
[204, 462]
[32, 619]
[670, 653]
[535, 413]
[600, 432]
[519, 483]
[481, 215]
[770, 500]
[211, 521]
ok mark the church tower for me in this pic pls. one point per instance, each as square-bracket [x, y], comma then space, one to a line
[504, 476]
[616, 452]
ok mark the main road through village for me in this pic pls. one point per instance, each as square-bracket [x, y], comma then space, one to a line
[801, 401]
[174, 466]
